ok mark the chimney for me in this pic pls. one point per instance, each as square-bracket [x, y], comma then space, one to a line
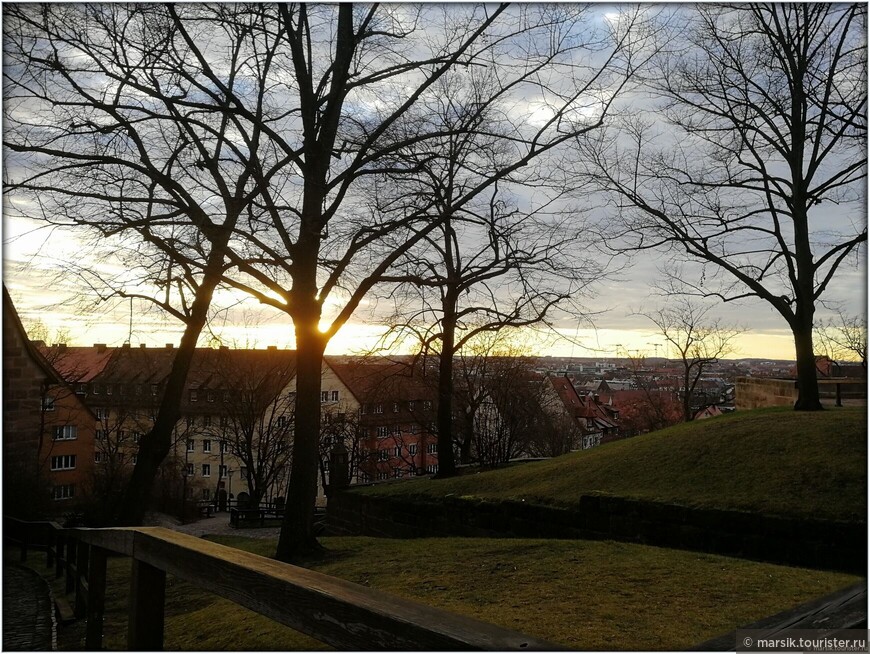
[271, 347]
[596, 399]
[61, 347]
[141, 346]
[125, 346]
[224, 347]
[101, 347]
[170, 346]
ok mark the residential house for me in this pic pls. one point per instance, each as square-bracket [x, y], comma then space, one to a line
[48, 433]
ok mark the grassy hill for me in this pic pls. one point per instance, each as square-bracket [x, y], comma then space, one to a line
[771, 461]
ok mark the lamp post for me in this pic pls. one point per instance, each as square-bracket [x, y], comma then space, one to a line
[230, 495]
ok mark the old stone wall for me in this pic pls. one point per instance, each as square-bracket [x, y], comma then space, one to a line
[793, 541]
[754, 393]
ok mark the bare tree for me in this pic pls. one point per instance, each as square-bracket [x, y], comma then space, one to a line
[845, 337]
[256, 424]
[767, 112]
[699, 340]
[244, 134]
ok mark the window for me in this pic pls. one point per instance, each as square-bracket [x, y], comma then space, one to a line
[326, 465]
[411, 405]
[206, 470]
[432, 469]
[397, 473]
[48, 403]
[109, 388]
[191, 446]
[395, 407]
[427, 404]
[414, 428]
[66, 433]
[382, 432]
[81, 389]
[382, 476]
[379, 408]
[188, 469]
[63, 462]
[210, 396]
[282, 420]
[333, 395]
[243, 472]
[98, 457]
[324, 396]
[63, 492]
[398, 450]
[206, 421]
[222, 471]
[137, 436]
[384, 455]
[194, 395]
[153, 389]
[97, 389]
[206, 446]
[363, 409]
[432, 448]
[135, 459]
[224, 422]
[101, 434]
[101, 413]
[364, 478]
[412, 449]
[225, 447]
[206, 493]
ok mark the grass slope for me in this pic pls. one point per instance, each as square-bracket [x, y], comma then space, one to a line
[771, 461]
[589, 595]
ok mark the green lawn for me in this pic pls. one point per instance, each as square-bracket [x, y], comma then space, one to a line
[581, 594]
[772, 461]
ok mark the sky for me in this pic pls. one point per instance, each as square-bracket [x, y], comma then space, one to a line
[39, 264]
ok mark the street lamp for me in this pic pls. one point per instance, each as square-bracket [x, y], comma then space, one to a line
[230, 495]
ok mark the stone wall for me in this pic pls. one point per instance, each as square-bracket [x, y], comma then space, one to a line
[754, 393]
[811, 543]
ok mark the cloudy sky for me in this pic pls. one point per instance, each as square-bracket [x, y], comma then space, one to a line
[39, 265]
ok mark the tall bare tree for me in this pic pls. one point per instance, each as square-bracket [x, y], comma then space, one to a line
[699, 339]
[757, 168]
[233, 140]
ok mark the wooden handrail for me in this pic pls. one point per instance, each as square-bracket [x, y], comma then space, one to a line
[331, 610]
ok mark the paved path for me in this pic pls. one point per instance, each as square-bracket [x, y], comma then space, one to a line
[218, 525]
[28, 624]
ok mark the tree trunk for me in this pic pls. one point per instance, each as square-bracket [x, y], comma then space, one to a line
[687, 396]
[297, 531]
[157, 443]
[807, 383]
[444, 415]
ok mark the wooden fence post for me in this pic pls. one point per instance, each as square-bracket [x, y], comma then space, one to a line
[147, 596]
[70, 564]
[82, 551]
[96, 599]
[50, 545]
[25, 537]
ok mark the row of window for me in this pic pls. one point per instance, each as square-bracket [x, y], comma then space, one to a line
[329, 396]
[384, 454]
[206, 446]
[397, 473]
[108, 389]
[63, 492]
[205, 470]
[379, 408]
[121, 457]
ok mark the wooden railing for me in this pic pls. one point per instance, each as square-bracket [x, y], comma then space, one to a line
[331, 610]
